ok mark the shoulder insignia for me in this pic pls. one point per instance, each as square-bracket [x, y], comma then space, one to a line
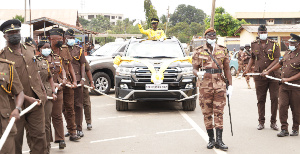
[6, 61]
[254, 41]
[64, 46]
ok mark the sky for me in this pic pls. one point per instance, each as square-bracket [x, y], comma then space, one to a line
[134, 9]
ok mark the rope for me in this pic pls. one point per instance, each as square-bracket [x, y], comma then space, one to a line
[277, 79]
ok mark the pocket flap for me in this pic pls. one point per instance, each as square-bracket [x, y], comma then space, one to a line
[5, 113]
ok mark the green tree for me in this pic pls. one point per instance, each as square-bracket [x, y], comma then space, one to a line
[187, 13]
[19, 17]
[185, 32]
[99, 24]
[83, 22]
[225, 24]
[150, 12]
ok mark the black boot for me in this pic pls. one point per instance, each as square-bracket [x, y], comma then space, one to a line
[219, 143]
[211, 136]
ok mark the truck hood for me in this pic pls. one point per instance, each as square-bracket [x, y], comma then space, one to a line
[156, 63]
[91, 59]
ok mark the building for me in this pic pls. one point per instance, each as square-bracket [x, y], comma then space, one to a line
[113, 18]
[269, 18]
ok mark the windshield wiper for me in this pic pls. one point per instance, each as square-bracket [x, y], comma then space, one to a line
[163, 57]
[141, 57]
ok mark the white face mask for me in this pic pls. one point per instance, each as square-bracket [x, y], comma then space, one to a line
[71, 42]
[292, 48]
[211, 42]
[263, 36]
[46, 52]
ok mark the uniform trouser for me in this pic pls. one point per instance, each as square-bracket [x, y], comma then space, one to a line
[289, 98]
[240, 67]
[212, 100]
[57, 119]
[48, 110]
[262, 87]
[87, 106]
[9, 145]
[68, 109]
[78, 106]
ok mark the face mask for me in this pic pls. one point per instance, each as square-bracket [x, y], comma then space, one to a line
[46, 52]
[71, 42]
[211, 42]
[59, 44]
[263, 36]
[14, 39]
[292, 48]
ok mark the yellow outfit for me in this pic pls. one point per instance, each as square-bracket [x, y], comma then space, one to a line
[152, 34]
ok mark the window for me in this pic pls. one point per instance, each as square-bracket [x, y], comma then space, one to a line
[120, 17]
[287, 21]
[297, 21]
[91, 16]
[107, 16]
[113, 17]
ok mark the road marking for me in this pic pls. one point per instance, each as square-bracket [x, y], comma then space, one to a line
[112, 139]
[115, 117]
[199, 130]
[172, 131]
[51, 148]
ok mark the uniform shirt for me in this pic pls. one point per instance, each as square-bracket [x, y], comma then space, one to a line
[240, 55]
[152, 34]
[87, 68]
[264, 56]
[78, 58]
[290, 67]
[16, 88]
[246, 55]
[45, 74]
[26, 67]
[64, 53]
[56, 67]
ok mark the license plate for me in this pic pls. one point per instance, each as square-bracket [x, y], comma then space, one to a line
[157, 87]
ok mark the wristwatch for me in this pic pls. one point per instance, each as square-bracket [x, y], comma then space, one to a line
[83, 79]
[20, 109]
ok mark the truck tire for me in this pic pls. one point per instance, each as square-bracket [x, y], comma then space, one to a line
[189, 105]
[121, 106]
[102, 82]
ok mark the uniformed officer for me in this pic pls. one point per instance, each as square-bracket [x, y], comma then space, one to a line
[154, 33]
[26, 68]
[56, 39]
[265, 54]
[212, 88]
[47, 79]
[289, 96]
[31, 42]
[10, 85]
[246, 55]
[86, 96]
[78, 63]
[240, 61]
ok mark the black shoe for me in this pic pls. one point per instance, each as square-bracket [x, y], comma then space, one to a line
[89, 126]
[219, 143]
[62, 145]
[74, 137]
[67, 134]
[80, 133]
[260, 126]
[211, 142]
[283, 133]
[294, 133]
[274, 126]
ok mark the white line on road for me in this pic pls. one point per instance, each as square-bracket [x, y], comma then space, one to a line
[199, 130]
[112, 139]
[172, 131]
[115, 117]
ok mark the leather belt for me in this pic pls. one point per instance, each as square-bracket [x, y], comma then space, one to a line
[213, 71]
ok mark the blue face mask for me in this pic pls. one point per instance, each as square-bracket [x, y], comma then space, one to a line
[263, 36]
[46, 52]
[71, 42]
[292, 48]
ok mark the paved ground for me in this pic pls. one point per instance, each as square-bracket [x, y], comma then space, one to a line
[156, 127]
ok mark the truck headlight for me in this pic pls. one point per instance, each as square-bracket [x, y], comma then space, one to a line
[187, 71]
[123, 71]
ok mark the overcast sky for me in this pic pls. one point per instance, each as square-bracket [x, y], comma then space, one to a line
[134, 9]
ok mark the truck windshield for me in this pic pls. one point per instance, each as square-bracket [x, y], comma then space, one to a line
[107, 49]
[154, 49]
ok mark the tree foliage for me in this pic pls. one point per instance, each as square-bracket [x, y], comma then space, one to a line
[185, 32]
[19, 17]
[225, 24]
[188, 14]
[150, 12]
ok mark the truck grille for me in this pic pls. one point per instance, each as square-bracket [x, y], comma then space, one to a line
[143, 74]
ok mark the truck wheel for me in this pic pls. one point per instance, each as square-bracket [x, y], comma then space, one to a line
[121, 106]
[102, 82]
[189, 105]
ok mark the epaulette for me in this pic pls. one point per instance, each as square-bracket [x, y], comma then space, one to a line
[255, 41]
[39, 57]
[6, 61]
[64, 46]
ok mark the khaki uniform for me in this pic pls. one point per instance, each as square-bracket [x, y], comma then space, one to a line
[289, 96]
[5, 93]
[78, 59]
[240, 62]
[34, 120]
[246, 58]
[45, 74]
[263, 57]
[68, 93]
[86, 98]
[212, 88]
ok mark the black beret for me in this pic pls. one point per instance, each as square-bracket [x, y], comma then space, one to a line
[262, 28]
[295, 38]
[154, 20]
[29, 41]
[56, 31]
[247, 45]
[70, 32]
[42, 42]
[9, 25]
